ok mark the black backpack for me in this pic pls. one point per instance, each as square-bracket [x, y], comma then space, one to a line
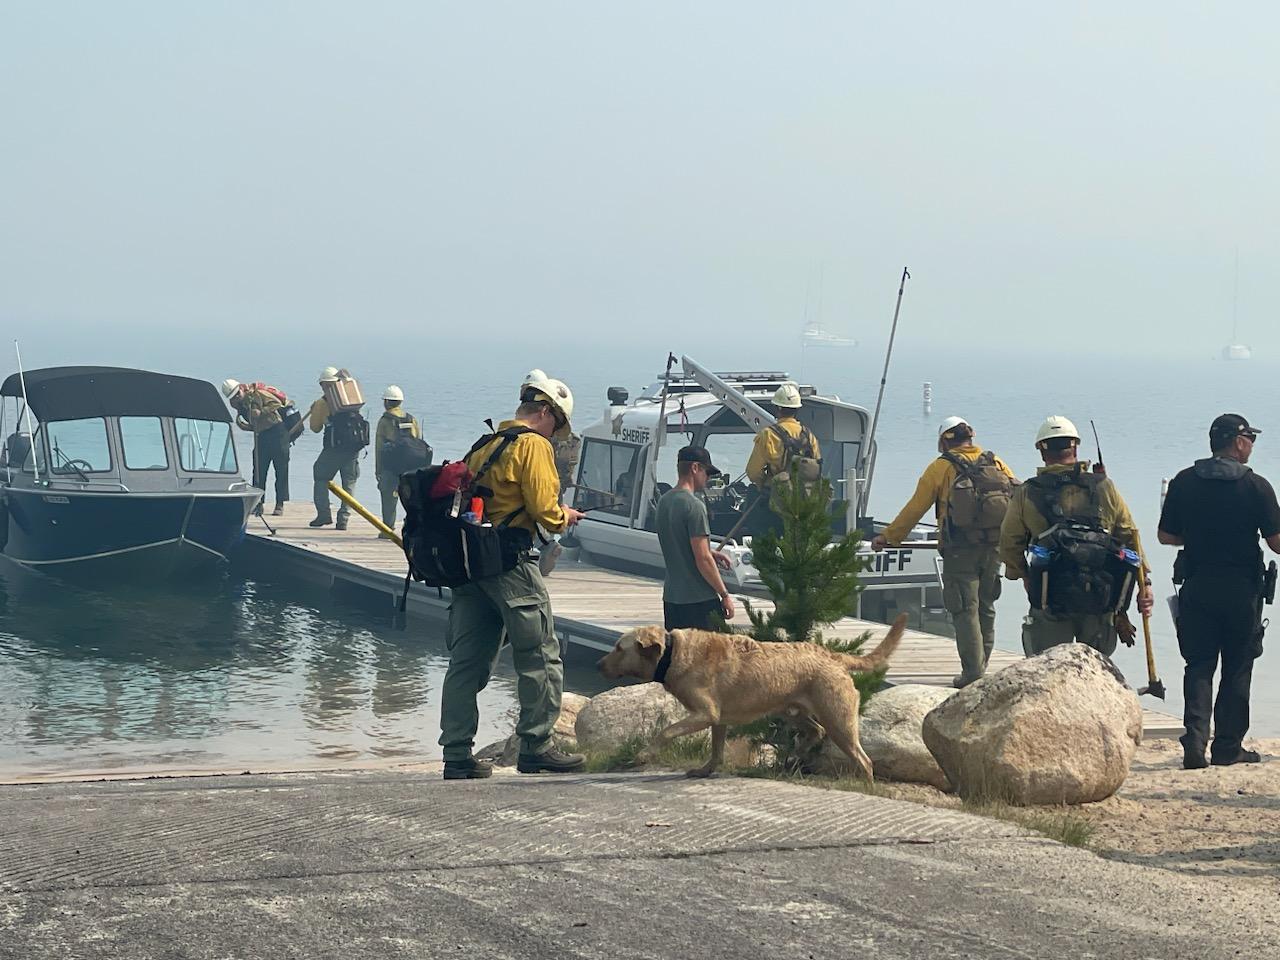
[1076, 566]
[406, 452]
[347, 430]
[443, 548]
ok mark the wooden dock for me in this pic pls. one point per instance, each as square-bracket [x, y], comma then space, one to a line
[593, 606]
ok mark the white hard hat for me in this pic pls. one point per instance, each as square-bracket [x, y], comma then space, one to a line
[950, 424]
[328, 373]
[229, 387]
[533, 376]
[393, 393]
[1056, 426]
[787, 397]
[554, 391]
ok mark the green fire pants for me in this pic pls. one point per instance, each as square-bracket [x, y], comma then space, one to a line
[515, 602]
[970, 588]
[1040, 631]
[333, 462]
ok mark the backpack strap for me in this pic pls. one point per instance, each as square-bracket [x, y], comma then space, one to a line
[508, 437]
[1044, 490]
[801, 446]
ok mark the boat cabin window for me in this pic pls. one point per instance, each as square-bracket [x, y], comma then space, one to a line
[143, 441]
[205, 446]
[75, 447]
[608, 477]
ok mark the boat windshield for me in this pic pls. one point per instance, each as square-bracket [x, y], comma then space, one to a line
[78, 447]
[205, 446]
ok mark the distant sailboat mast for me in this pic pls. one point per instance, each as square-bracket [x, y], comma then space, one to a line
[814, 334]
[1236, 350]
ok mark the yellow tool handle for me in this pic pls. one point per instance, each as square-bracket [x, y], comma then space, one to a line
[1146, 622]
[359, 508]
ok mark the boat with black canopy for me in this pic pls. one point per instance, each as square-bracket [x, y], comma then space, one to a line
[114, 472]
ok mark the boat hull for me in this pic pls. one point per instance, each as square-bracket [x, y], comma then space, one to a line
[118, 535]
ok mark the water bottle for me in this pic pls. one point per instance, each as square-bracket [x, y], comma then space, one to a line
[1131, 558]
[1038, 556]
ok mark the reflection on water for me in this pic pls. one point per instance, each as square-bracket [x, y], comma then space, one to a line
[231, 673]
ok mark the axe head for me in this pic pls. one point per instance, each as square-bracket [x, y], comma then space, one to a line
[1155, 689]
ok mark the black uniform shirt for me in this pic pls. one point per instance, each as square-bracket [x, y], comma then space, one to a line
[1218, 507]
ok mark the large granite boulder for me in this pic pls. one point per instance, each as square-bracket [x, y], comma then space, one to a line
[890, 731]
[1061, 727]
[616, 715]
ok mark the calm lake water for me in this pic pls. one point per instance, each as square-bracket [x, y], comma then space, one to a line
[239, 674]
[256, 674]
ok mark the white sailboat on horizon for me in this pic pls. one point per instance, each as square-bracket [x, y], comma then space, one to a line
[1236, 350]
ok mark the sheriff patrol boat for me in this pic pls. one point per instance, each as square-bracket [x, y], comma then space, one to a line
[632, 447]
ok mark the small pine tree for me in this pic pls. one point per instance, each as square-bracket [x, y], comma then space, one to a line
[813, 582]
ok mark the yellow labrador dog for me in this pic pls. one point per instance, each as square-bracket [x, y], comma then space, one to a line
[725, 678]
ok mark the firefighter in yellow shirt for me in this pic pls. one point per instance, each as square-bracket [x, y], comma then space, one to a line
[980, 484]
[525, 495]
[774, 450]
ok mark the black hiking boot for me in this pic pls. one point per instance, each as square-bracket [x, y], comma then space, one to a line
[469, 769]
[1194, 761]
[278, 510]
[552, 761]
[341, 524]
[1240, 756]
[320, 522]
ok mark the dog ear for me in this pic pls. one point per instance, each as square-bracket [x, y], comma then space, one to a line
[650, 639]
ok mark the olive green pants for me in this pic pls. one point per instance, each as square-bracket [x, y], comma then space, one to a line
[333, 462]
[970, 589]
[388, 484]
[1040, 631]
[515, 602]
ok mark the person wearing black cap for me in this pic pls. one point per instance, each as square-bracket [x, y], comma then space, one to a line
[693, 593]
[1215, 510]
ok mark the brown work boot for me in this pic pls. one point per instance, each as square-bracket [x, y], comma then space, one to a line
[550, 761]
[468, 769]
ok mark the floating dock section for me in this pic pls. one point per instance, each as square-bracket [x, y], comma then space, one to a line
[592, 606]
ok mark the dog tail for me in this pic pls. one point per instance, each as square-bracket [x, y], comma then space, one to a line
[878, 657]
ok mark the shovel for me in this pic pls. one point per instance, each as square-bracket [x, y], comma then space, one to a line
[1154, 687]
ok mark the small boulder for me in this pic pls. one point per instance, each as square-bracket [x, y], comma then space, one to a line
[571, 705]
[616, 715]
[890, 731]
[501, 753]
[1061, 727]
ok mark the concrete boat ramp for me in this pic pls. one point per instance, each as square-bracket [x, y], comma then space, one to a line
[404, 865]
[593, 606]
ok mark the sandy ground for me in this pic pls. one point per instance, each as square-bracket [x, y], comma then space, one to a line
[1220, 822]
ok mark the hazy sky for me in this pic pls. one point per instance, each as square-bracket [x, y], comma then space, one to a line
[606, 174]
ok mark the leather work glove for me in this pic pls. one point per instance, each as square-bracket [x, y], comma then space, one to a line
[1127, 632]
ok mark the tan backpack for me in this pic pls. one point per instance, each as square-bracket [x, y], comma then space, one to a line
[979, 500]
[798, 458]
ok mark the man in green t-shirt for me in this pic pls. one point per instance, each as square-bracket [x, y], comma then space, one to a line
[692, 592]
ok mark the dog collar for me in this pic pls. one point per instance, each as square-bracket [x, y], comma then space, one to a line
[664, 662]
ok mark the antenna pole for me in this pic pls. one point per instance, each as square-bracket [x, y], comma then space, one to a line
[22, 378]
[869, 453]
[650, 480]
